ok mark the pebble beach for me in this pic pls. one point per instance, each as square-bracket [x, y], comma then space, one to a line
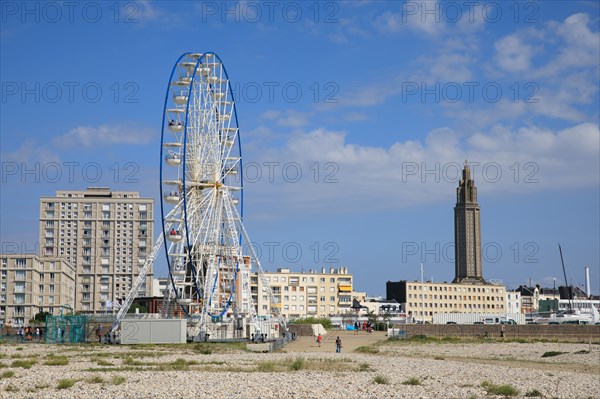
[368, 367]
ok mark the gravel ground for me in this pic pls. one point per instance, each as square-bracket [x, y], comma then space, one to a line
[443, 370]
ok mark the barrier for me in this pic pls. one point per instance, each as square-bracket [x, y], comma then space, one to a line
[556, 332]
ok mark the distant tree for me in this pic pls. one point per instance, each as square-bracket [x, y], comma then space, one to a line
[372, 317]
[386, 316]
[40, 317]
[324, 321]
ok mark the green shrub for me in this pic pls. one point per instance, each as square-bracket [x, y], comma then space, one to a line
[364, 367]
[297, 364]
[118, 380]
[66, 383]
[26, 364]
[96, 380]
[367, 349]
[324, 321]
[552, 353]
[7, 374]
[412, 381]
[533, 394]
[57, 361]
[11, 388]
[131, 362]
[505, 390]
[381, 379]
[102, 362]
[266, 367]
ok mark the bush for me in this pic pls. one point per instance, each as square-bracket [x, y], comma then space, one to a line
[381, 379]
[552, 353]
[297, 364]
[534, 394]
[96, 380]
[367, 349]
[11, 388]
[26, 364]
[266, 367]
[57, 361]
[66, 383]
[118, 380]
[364, 367]
[412, 381]
[505, 390]
[324, 321]
[7, 374]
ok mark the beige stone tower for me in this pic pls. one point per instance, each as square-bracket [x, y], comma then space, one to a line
[467, 232]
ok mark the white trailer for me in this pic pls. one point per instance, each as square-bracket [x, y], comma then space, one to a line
[472, 318]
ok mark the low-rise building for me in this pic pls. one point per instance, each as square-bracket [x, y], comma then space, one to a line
[513, 302]
[159, 286]
[380, 307]
[422, 300]
[307, 294]
[30, 284]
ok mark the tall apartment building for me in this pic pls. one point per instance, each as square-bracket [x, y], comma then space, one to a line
[30, 284]
[423, 300]
[107, 235]
[310, 294]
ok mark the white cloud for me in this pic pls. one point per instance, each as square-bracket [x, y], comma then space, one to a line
[289, 118]
[413, 173]
[416, 20]
[145, 11]
[91, 136]
[31, 152]
[512, 54]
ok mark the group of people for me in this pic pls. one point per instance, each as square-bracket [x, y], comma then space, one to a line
[365, 326]
[27, 333]
[258, 338]
[106, 338]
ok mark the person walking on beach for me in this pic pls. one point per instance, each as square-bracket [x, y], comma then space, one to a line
[99, 333]
[319, 339]
[502, 331]
[338, 345]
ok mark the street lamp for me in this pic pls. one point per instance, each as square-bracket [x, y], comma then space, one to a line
[554, 292]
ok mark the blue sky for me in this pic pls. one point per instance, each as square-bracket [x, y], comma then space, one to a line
[377, 104]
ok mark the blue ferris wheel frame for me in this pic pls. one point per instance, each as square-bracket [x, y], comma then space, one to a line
[162, 139]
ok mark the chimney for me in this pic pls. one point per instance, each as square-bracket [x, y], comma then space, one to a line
[588, 290]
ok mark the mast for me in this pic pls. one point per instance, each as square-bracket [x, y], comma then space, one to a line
[566, 282]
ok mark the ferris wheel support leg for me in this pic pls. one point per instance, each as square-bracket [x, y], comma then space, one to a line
[137, 284]
[262, 278]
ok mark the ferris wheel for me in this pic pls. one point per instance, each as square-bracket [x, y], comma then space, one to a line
[202, 193]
